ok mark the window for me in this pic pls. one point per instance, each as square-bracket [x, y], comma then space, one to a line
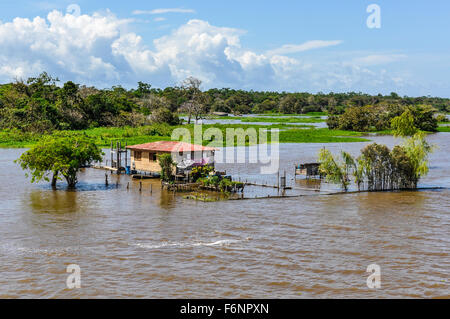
[137, 155]
[152, 157]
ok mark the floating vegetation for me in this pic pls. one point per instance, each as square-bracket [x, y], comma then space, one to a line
[204, 197]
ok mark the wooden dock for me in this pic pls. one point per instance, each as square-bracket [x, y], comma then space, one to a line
[266, 185]
[106, 168]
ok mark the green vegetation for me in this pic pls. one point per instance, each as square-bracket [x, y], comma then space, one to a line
[199, 172]
[321, 135]
[380, 168]
[282, 119]
[306, 114]
[103, 136]
[403, 125]
[444, 129]
[336, 170]
[204, 197]
[167, 166]
[218, 183]
[61, 154]
[442, 118]
[41, 104]
[377, 118]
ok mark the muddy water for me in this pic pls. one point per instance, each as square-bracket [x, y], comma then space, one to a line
[136, 244]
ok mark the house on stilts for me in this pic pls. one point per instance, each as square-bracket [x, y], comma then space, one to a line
[144, 157]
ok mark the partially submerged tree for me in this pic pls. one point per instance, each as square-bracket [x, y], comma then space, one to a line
[412, 158]
[167, 165]
[336, 171]
[376, 160]
[378, 167]
[418, 149]
[62, 154]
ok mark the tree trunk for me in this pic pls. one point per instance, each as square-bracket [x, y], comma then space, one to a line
[71, 179]
[54, 178]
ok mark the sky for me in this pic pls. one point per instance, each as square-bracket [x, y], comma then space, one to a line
[295, 46]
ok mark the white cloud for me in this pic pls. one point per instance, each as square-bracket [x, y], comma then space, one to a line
[377, 59]
[64, 45]
[164, 10]
[309, 45]
[99, 50]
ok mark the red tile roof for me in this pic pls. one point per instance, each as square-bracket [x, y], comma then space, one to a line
[170, 146]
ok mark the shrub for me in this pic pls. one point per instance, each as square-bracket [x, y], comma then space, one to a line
[167, 164]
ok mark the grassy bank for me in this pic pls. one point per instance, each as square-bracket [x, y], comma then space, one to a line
[444, 128]
[283, 119]
[321, 135]
[306, 114]
[145, 134]
[103, 136]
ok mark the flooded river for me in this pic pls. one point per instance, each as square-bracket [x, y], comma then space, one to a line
[137, 244]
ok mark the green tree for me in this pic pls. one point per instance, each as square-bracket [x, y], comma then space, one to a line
[61, 154]
[355, 119]
[167, 165]
[418, 150]
[376, 160]
[164, 115]
[424, 118]
[336, 171]
[403, 125]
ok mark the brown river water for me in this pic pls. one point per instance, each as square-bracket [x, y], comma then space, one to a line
[132, 244]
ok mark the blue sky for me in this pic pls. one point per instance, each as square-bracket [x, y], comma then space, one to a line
[278, 45]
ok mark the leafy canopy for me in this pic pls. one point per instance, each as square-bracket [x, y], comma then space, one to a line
[403, 125]
[62, 153]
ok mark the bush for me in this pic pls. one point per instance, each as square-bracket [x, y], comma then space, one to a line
[201, 172]
[441, 118]
[367, 118]
[164, 115]
[167, 164]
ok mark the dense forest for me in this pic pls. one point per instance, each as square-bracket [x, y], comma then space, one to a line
[43, 104]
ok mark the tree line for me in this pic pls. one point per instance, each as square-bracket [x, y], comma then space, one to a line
[379, 117]
[41, 104]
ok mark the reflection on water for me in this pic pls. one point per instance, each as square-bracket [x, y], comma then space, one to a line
[150, 243]
[52, 201]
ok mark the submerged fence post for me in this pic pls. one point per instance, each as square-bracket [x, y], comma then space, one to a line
[106, 179]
